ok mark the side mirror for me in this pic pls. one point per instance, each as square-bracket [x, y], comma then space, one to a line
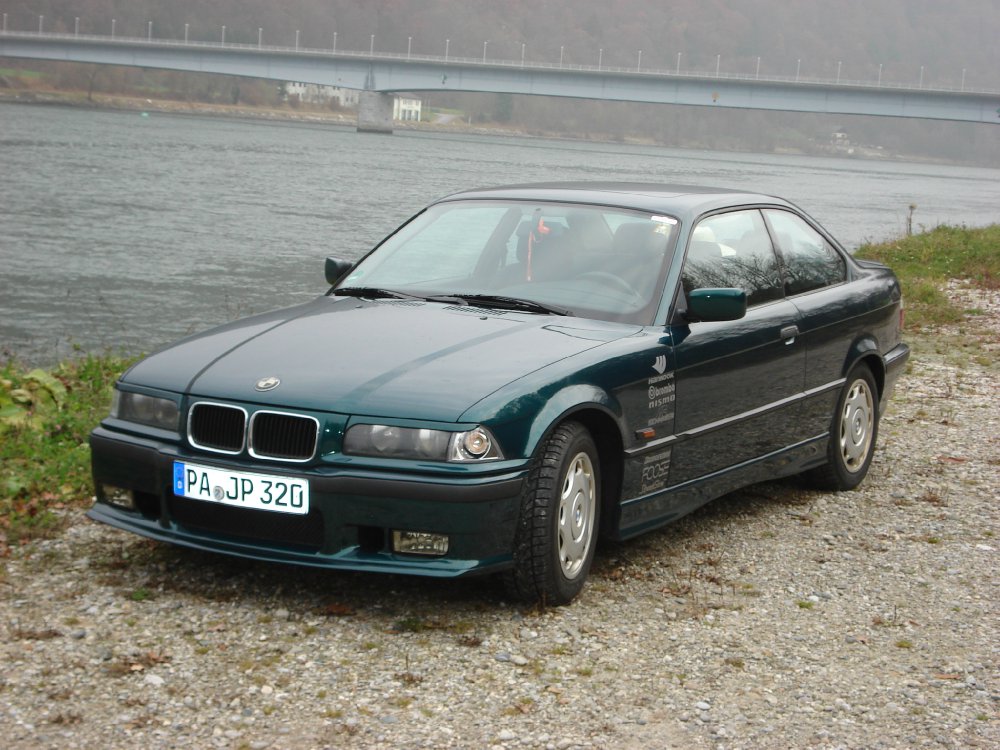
[712, 305]
[336, 269]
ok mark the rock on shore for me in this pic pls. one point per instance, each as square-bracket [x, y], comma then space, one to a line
[774, 617]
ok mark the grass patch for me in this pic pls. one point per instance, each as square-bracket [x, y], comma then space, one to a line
[45, 419]
[924, 262]
[18, 72]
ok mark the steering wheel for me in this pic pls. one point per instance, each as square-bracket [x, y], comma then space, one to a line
[615, 282]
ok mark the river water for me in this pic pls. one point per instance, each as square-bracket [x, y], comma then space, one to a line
[121, 231]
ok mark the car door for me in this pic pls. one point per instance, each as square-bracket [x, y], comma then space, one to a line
[737, 382]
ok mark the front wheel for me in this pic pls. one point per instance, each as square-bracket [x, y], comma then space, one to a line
[557, 528]
[853, 432]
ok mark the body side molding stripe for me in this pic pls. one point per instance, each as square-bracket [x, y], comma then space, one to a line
[722, 423]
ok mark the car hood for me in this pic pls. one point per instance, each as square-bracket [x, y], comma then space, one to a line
[399, 358]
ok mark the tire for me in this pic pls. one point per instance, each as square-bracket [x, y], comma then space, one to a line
[560, 512]
[853, 434]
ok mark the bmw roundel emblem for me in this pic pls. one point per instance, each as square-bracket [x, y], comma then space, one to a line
[267, 384]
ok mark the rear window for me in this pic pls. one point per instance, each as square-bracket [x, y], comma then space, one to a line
[810, 262]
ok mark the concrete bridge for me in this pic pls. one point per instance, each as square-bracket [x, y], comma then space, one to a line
[379, 76]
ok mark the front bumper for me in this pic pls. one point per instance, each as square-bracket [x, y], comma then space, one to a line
[352, 511]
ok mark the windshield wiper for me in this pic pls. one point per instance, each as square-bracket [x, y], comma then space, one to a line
[372, 292]
[507, 303]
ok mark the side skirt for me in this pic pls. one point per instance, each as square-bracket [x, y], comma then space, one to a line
[643, 514]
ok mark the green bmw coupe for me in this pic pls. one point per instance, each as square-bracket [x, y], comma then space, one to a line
[512, 374]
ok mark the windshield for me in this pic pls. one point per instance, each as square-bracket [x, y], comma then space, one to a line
[589, 261]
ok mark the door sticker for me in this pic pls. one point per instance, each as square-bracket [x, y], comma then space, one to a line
[655, 470]
[660, 394]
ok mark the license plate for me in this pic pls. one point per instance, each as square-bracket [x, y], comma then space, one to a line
[242, 489]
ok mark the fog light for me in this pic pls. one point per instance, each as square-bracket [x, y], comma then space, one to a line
[119, 496]
[419, 543]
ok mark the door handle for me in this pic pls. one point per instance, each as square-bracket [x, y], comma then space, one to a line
[788, 334]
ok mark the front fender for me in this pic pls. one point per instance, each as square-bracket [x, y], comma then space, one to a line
[563, 404]
[522, 423]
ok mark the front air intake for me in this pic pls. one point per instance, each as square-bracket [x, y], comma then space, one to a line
[283, 437]
[217, 428]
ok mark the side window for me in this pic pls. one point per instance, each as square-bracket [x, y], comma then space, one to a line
[733, 250]
[810, 261]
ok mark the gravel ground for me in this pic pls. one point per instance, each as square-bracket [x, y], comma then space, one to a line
[774, 617]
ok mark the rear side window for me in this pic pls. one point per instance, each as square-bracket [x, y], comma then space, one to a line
[733, 250]
[810, 261]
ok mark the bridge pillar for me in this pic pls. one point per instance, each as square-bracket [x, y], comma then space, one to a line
[375, 112]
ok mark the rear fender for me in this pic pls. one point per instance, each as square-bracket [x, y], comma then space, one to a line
[865, 349]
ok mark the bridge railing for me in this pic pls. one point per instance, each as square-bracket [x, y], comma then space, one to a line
[484, 62]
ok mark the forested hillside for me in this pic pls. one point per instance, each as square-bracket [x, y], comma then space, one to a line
[912, 41]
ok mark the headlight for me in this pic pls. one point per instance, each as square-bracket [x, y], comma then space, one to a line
[147, 410]
[390, 441]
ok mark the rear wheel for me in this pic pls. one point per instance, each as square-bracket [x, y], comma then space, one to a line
[853, 432]
[557, 529]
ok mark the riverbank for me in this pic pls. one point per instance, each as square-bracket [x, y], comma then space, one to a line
[950, 283]
[276, 114]
[348, 118]
[774, 617]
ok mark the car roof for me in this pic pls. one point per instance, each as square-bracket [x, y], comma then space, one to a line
[681, 201]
